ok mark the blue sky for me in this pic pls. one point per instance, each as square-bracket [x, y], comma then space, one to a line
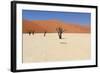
[73, 17]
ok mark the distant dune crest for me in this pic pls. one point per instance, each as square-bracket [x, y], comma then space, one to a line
[50, 26]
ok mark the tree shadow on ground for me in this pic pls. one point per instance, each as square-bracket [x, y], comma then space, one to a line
[63, 42]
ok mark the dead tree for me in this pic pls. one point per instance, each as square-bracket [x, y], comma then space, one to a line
[45, 33]
[29, 33]
[60, 31]
[33, 32]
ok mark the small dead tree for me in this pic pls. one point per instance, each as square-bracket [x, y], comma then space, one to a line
[45, 33]
[60, 31]
[29, 32]
[33, 32]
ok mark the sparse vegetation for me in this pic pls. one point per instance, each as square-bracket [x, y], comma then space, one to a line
[60, 31]
[29, 32]
[45, 33]
[33, 32]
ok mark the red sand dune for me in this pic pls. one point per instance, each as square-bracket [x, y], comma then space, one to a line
[41, 26]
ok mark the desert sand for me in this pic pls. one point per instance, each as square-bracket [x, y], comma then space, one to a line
[73, 46]
[50, 26]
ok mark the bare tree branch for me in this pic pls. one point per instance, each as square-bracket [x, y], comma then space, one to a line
[60, 31]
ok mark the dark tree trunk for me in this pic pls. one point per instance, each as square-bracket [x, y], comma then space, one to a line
[29, 33]
[44, 34]
[60, 36]
[60, 31]
[32, 33]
